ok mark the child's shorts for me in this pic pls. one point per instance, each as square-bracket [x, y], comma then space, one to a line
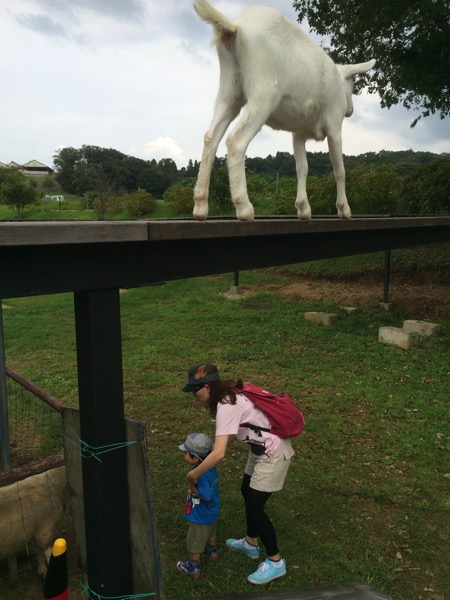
[268, 474]
[198, 535]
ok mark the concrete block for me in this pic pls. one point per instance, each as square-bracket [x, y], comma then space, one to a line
[321, 317]
[422, 327]
[234, 292]
[350, 309]
[397, 337]
[387, 306]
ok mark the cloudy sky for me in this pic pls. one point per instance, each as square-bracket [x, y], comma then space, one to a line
[141, 77]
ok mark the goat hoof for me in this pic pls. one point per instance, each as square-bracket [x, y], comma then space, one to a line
[344, 212]
[199, 214]
[247, 213]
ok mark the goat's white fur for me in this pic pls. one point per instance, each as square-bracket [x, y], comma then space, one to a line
[29, 511]
[280, 77]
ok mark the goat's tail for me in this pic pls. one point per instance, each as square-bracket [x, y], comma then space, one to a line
[224, 27]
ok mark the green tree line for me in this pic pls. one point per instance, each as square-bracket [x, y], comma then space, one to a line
[82, 170]
[396, 183]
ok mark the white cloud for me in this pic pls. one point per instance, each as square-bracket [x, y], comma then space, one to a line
[162, 147]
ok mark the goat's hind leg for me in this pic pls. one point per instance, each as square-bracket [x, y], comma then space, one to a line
[335, 148]
[224, 113]
[250, 122]
[301, 164]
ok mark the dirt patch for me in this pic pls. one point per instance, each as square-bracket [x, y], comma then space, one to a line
[422, 295]
[421, 300]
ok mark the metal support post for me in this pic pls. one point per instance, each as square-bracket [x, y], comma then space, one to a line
[387, 275]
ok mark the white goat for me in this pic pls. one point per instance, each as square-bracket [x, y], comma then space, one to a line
[29, 511]
[269, 66]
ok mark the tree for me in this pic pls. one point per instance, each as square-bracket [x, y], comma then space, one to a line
[181, 196]
[104, 190]
[78, 167]
[219, 188]
[426, 191]
[18, 192]
[65, 161]
[409, 39]
[140, 204]
[373, 190]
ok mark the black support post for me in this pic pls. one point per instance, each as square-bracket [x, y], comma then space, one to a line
[105, 484]
[387, 275]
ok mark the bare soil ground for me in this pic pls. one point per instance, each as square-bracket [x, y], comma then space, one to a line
[423, 295]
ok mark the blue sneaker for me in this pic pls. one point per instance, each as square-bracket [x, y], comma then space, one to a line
[266, 572]
[192, 569]
[211, 553]
[241, 546]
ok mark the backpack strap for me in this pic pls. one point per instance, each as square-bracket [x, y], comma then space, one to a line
[256, 428]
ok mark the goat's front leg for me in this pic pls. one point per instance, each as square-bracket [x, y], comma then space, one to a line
[301, 164]
[43, 559]
[335, 148]
[224, 113]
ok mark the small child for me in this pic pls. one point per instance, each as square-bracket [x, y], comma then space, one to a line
[201, 511]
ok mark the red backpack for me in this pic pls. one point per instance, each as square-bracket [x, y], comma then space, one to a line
[286, 419]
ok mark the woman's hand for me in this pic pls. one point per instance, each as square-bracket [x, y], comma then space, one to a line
[192, 483]
[212, 460]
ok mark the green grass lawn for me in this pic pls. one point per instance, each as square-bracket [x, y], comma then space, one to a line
[367, 497]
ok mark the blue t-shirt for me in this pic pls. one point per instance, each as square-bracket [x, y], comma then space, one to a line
[204, 512]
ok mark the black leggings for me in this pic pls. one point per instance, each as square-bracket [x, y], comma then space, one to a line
[258, 522]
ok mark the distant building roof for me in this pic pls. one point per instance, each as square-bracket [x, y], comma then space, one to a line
[32, 167]
[35, 164]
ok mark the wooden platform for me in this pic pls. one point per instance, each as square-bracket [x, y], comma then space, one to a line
[45, 257]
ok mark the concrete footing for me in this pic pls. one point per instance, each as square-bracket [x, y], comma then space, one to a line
[350, 309]
[234, 292]
[398, 337]
[321, 317]
[386, 306]
[423, 328]
[353, 591]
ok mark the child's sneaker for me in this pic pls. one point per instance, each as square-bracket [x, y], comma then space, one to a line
[267, 571]
[190, 568]
[244, 547]
[211, 553]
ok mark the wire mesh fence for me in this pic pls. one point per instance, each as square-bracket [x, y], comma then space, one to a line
[34, 425]
[33, 489]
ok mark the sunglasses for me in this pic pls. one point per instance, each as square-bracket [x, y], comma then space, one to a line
[197, 389]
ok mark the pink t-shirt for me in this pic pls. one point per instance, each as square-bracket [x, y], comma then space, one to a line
[230, 416]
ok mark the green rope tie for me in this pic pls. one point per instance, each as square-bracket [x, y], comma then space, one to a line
[88, 451]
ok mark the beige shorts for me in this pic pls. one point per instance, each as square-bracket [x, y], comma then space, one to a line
[198, 535]
[268, 474]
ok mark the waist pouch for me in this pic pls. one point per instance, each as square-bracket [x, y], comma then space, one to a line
[257, 449]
